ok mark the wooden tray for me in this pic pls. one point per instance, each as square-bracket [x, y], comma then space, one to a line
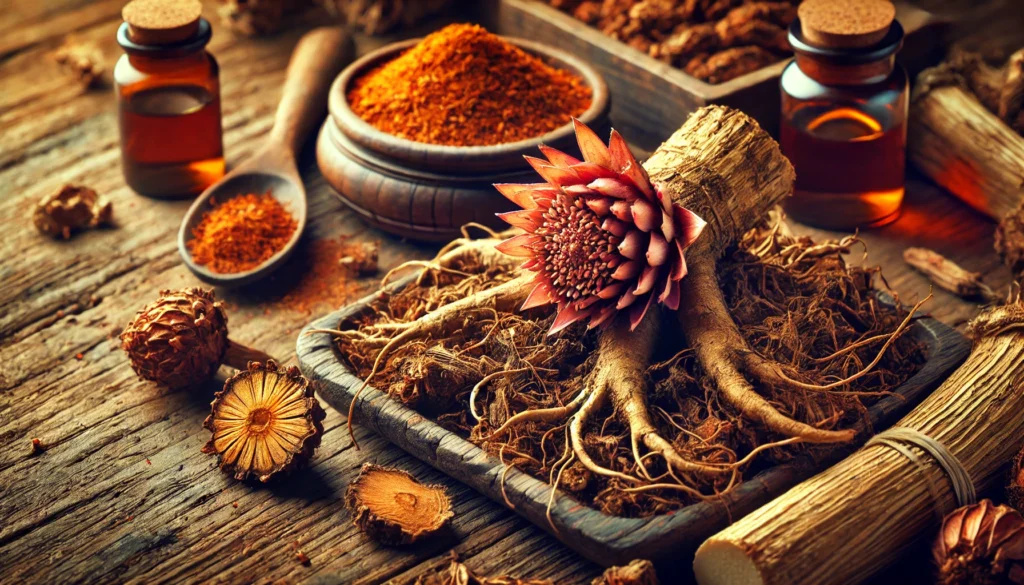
[606, 540]
[651, 99]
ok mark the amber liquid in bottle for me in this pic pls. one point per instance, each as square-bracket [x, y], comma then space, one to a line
[171, 140]
[851, 165]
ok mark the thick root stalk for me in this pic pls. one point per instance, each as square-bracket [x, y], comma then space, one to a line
[711, 332]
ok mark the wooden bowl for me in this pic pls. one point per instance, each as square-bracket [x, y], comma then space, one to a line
[427, 191]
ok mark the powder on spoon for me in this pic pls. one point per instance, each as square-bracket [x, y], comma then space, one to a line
[241, 233]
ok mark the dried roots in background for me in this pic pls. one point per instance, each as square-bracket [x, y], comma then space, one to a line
[794, 300]
[713, 40]
[375, 17]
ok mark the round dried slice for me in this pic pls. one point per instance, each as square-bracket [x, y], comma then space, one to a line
[393, 508]
[265, 421]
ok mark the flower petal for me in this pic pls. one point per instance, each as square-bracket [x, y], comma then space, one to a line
[646, 215]
[625, 163]
[614, 226]
[591, 145]
[626, 300]
[670, 296]
[636, 314]
[600, 205]
[588, 172]
[620, 209]
[603, 317]
[519, 245]
[566, 316]
[527, 219]
[612, 290]
[540, 295]
[520, 193]
[557, 157]
[627, 270]
[678, 264]
[554, 175]
[668, 225]
[633, 244]
[657, 250]
[648, 278]
[690, 225]
[612, 187]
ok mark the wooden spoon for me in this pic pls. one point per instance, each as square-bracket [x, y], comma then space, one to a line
[318, 58]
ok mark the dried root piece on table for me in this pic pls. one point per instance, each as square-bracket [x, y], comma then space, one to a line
[729, 64]
[264, 422]
[981, 544]
[71, 208]
[82, 61]
[181, 339]
[376, 17]
[948, 275]
[1009, 241]
[682, 46]
[257, 17]
[457, 573]
[361, 257]
[638, 572]
[393, 508]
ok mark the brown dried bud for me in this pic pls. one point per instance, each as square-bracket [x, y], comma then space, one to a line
[265, 421]
[70, 208]
[393, 508]
[179, 340]
[638, 572]
[982, 544]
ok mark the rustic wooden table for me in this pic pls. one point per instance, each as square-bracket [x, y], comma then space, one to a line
[123, 493]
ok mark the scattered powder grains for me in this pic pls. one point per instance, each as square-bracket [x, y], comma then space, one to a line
[463, 86]
[329, 278]
[241, 233]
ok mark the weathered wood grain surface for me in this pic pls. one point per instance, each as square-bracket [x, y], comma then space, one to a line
[123, 493]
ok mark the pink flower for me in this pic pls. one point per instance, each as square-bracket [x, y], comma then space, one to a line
[599, 235]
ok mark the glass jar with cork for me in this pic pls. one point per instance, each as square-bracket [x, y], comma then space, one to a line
[844, 114]
[168, 99]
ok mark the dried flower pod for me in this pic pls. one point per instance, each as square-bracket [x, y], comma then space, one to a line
[393, 508]
[600, 236]
[70, 208]
[981, 544]
[638, 572]
[265, 421]
[182, 338]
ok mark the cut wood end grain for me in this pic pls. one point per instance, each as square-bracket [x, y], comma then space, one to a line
[392, 507]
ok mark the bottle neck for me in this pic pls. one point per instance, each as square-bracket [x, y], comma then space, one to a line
[830, 73]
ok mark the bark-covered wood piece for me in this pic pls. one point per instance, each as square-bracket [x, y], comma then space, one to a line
[607, 540]
[853, 520]
[394, 508]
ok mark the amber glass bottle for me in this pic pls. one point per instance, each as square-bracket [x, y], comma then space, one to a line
[168, 100]
[844, 114]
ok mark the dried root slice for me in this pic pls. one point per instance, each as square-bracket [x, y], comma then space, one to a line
[981, 544]
[459, 574]
[393, 508]
[265, 421]
[638, 572]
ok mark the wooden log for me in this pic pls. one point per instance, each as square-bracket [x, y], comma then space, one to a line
[844, 525]
[965, 148]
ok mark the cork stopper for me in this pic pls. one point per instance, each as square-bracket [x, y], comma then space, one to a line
[845, 24]
[162, 22]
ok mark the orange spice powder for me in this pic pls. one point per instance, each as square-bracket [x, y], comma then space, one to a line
[241, 233]
[463, 86]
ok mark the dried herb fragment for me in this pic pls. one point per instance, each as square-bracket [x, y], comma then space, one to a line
[1009, 242]
[181, 338]
[463, 86]
[361, 257]
[71, 208]
[459, 574]
[948, 275]
[638, 572]
[982, 544]
[82, 61]
[265, 421]
[241, 233]
[393, 508]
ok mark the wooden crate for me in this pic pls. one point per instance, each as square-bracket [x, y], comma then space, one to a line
[651, 99]
[604, 539]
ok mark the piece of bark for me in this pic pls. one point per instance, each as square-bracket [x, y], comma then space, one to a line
[853, 520]
[949, 275]
[1009, 241]
[961, 145]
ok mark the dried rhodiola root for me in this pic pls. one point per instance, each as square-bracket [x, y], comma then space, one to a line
[71, 208]
[459, 574]
[982, 544]
[393, 508]
[265, 421]
[638, 572]
[182, 338]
